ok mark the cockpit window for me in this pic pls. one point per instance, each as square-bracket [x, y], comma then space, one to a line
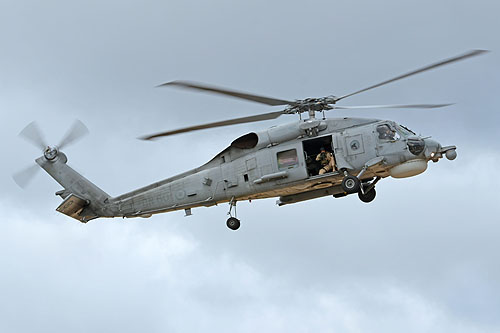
[385, 132]
[416, 145]
[406, 131]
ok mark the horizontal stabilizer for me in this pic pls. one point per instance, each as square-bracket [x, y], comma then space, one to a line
[73, 206]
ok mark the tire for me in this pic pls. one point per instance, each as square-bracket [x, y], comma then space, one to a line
[368, 196]
[233, 223]
[351, 184]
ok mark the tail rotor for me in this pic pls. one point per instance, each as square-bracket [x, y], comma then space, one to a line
[33, 134]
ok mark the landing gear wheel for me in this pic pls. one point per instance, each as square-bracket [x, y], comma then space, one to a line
[368, 196]
[351, 184]
[233, 223]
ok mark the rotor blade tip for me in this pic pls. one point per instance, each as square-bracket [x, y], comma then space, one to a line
[145, 138]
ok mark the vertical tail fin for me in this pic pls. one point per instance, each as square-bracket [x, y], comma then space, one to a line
[84, 201]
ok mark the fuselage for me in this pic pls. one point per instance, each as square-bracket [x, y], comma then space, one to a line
[281, 162]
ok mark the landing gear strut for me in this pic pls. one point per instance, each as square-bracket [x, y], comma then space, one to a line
[232, 222]
[366, 190]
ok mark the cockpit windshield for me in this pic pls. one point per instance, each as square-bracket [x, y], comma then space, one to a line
[405, 130]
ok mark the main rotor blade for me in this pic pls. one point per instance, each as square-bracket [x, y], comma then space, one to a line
[77, 131]
[33, 134]
[223, 91]
[469, 54]
[394, 106]
[24, 177]
[260, 117]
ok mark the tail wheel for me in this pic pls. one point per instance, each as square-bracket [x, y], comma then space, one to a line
[368, 196]
[233, 223]
[351, 184]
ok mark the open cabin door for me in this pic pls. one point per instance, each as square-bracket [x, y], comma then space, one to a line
[312, 147]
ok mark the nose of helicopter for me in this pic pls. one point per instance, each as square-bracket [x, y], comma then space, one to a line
[432, 148]
[432, 145]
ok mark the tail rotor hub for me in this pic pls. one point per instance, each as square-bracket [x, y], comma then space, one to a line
[51, 153]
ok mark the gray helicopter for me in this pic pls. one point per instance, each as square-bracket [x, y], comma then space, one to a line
[298, 161]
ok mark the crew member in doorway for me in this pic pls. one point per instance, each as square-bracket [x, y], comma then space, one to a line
[326, 160]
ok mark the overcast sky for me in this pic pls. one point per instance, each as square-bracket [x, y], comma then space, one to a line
[423, 257]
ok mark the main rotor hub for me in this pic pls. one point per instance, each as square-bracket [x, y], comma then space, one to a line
[51, 153]
[311, 105]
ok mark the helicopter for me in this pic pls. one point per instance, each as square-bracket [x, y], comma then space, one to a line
[298, 161]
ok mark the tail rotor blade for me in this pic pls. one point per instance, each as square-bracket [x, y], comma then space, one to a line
[24, 177]
[77, 131]
[32, 133]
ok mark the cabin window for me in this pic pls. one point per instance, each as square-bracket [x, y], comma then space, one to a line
[287, 159]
